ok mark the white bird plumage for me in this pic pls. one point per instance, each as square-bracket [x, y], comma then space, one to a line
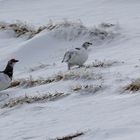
[7, 74]
[77, 56]
[4, 81]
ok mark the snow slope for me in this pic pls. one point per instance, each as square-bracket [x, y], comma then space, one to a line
[102, 110]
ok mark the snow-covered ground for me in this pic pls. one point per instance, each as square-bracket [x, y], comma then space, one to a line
[95, 102]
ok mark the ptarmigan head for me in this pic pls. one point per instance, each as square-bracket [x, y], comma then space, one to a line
[86, 45]
[9, 68]
[12, 62]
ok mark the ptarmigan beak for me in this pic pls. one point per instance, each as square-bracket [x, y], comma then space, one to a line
[14, 60]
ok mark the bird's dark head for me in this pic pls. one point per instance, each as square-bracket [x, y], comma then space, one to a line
[9, 68]
[12, 62]
[86, 45]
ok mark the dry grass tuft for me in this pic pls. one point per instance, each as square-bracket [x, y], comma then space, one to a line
[14, 84]
[87, 88]
[107, 25]
[81, 74]
[19, 28]
[65, 30]
[72, 75]
[33, 99]
[103, 64]
[71, 30]
[70, 137]
[30, 82]
[133, 86]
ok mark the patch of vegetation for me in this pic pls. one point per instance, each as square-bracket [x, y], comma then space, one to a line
[15, 83]
[33, 99]
[107, 25]
[70, 137]
[21, 28]
[103, 64]
[65, 30]
[72, 30]
[133, 86]
[81, 74]
[87, 88]
[72, 75]
[30, 82]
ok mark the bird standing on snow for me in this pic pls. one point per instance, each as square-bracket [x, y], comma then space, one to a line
[78, 56]
[7, 74]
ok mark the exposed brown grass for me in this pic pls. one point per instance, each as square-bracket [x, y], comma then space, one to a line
[70, 137]
[103, 64]
[33, 99]
[77, 29]
[133, 86]
[21, 28]
[82, 74]
[30, 82]
[87, 88]
[72, 75]
[15, 83]
[107, 25]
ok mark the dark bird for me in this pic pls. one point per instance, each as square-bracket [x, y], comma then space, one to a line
[7, 75]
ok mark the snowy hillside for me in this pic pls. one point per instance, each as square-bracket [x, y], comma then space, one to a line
[45, 101]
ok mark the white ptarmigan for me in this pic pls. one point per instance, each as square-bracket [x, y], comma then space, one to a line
[78, 56]
[7, 74]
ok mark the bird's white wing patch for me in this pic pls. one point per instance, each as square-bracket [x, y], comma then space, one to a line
[68, 55]
[4, 81]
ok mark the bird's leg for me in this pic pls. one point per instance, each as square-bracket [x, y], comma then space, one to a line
[69, 65]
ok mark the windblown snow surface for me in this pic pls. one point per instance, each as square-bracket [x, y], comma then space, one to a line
[95, 102]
